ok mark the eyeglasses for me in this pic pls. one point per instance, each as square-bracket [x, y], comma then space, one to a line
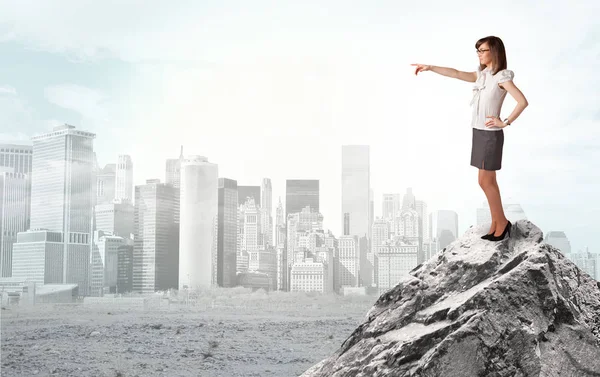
[481, 51]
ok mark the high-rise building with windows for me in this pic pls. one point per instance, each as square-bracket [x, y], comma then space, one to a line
[57, 247]
[124, 178]
[356, 190]
[15, 196]
[17, 156]
[225, 266]
[156, 237]
[447, 227]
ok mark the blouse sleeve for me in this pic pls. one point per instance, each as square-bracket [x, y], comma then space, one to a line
[505, 75]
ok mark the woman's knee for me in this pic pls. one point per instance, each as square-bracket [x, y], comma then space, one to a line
[486, 181]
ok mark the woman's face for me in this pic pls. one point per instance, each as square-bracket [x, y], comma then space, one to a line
[484, 54]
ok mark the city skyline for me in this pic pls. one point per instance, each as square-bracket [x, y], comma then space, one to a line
[221, 83]
[379, 205]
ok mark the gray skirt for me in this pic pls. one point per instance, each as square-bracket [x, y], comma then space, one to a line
[486, 151]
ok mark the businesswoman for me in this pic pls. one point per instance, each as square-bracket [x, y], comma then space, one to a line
[492, 81]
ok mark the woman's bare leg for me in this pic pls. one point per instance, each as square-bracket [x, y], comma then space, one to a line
[486, 190]
[487, 181]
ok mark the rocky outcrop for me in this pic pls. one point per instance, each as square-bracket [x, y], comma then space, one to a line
[516, 307]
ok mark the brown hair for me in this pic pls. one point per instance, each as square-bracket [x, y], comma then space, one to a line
[497, 50]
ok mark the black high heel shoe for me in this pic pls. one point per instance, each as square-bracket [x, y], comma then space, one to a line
[501, 237]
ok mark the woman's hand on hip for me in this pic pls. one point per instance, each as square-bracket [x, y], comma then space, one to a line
[494, 122]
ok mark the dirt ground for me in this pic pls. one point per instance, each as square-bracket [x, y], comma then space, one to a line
[241, 335]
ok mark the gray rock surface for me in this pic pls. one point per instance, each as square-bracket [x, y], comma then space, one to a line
[516, 307]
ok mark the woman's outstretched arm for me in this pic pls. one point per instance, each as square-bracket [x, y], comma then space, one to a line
[448, 72]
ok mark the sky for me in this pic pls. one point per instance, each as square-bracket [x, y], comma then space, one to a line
[274, 89]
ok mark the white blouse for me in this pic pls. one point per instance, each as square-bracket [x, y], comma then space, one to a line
[488, 96]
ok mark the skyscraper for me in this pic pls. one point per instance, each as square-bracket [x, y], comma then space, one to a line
[115, 218]
[173, 170]
[408, 201]
[371, 211]
[447, 227]
[391, 206]
[300, 193]
[15, 196]
[61, 209]
[225, 264]
[356, 189]
[156, 244]
[558, 239]
[421, 208]
[106, 184]
[15, 169]
[279, 225]
[124, 178]
[198, 221]
[266, 191]
[17, 156]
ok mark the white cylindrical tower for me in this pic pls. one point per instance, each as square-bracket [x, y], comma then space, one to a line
[198, 214]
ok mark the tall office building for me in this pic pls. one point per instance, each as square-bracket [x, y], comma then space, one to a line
[115, 218]
[266, 191]
[356, 189]
[245, 192]
[60, 235]
[407, 226]
[421, 208]
[371, 210]
[125, 267]
[279, 225]
[251, 226]
[106, 184]
[124, 179]
[16, 156]
[105, 263]
[348, 262]
[281, 251]
[300, 193]
[15, 168]
[173, 170]
[559, 240]
[447, 227]
[356, 204]
[391, 206]
[381, 233]
[408, 201]
[156, 240]
[15, 196]
[225, 264]
[199, 210]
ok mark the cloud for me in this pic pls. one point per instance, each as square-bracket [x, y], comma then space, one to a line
[16, 114]
[7, 90]
[91, 104]
[15, 137]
